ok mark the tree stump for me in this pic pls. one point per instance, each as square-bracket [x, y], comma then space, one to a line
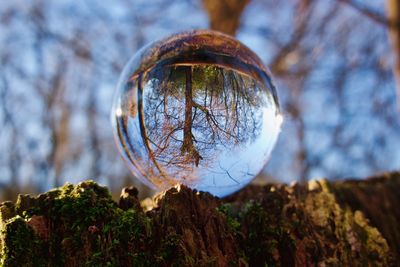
[349, 223]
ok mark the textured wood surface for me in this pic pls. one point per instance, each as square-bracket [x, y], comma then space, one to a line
[349, 223]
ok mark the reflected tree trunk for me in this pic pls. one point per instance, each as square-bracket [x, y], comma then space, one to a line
[188, 138]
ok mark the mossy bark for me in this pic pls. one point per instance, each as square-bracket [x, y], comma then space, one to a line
[352, 223]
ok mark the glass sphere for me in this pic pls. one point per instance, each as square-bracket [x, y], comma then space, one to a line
[197, 108]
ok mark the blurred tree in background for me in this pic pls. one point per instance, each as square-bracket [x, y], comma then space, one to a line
[60, 60]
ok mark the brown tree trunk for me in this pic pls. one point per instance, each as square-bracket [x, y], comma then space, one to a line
[225, 14]
[187, 128]
[188, 146]
[393, 14]
[350, 223]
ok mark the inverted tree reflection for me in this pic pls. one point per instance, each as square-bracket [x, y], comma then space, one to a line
[190, 113]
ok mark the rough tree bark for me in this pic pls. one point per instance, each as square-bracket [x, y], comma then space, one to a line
[350, 223]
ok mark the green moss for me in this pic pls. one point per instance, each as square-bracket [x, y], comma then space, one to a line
[373, 244]
[290, 227]
[357, 243]
[7, 211]
[17, 252]
[230, 213]
[86, 224]
[265, 235]
[170, 248]
[283, 227]
[322, 208]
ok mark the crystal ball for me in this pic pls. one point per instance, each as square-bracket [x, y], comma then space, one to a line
[197, 108]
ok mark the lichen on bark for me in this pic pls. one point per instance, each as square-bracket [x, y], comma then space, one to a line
[273, 225]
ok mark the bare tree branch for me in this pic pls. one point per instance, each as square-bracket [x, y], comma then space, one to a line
[370, 13]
